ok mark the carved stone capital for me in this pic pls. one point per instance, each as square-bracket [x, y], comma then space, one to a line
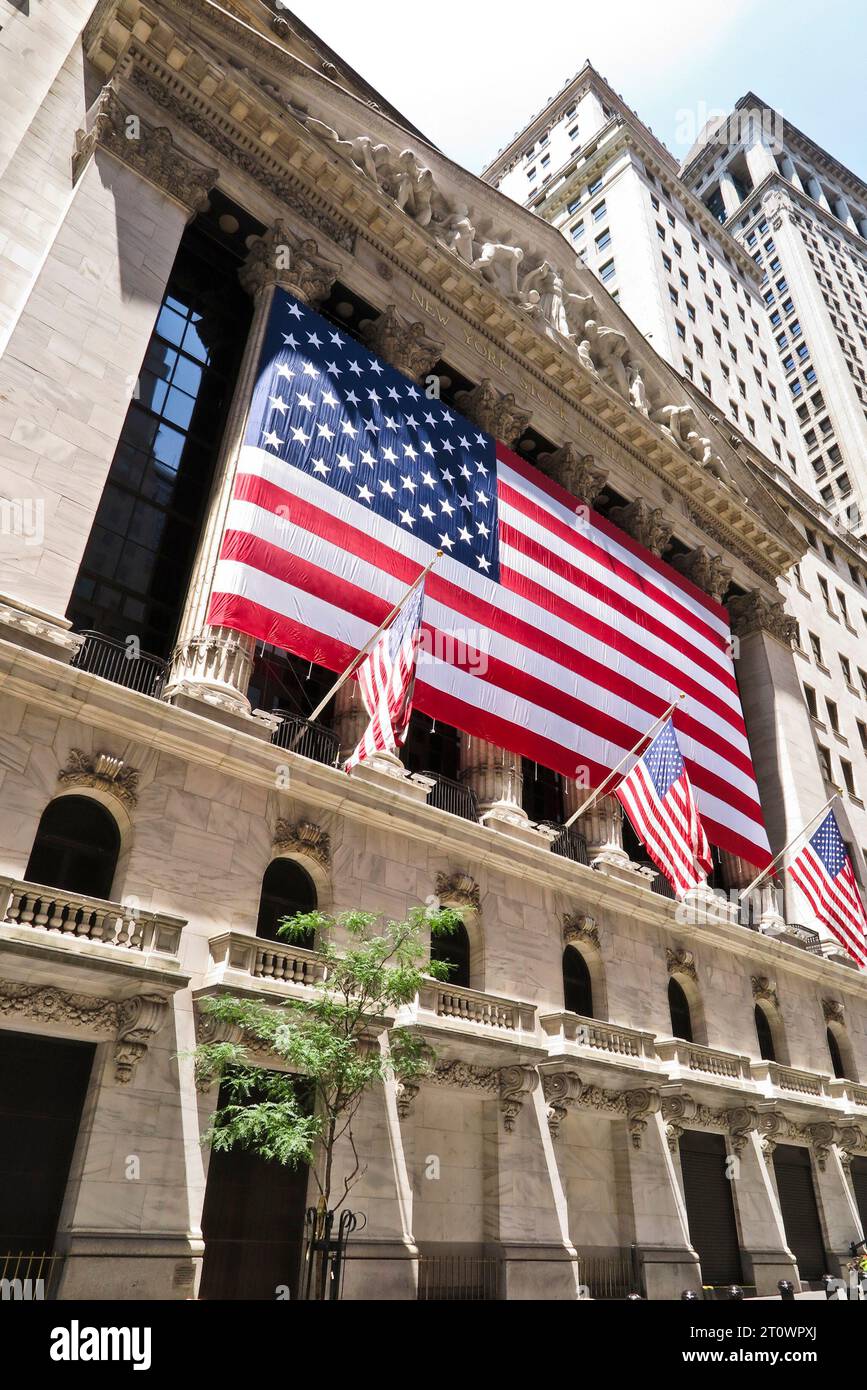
[578, 473]
[639, 1105]
[516, 1084]
[218, 660]
[822, 1136]
[833, 1011]
[740, 1122]
[644, 524]
[753, 612]
[676, 1112]
[579, 926]
[681, 962]
[149, 150]
[458, 889]
[493, 411]
[102, 771]
[139, 1019]
[404, 345]
[764, 988]
[561, 1090]
[281, 257]
[303, 837]
[706, 571]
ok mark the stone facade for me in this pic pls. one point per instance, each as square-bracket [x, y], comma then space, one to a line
[556, 1135]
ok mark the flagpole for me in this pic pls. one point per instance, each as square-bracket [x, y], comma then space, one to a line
[614, 771]
[743, 893]
[359, 657]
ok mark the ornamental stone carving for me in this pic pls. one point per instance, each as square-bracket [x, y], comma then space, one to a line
[578, 473]
[516, 1084]
[404, 345]
[561, 1090]
[765, 989]
[822, 1136]
[706, 571]
[102, 771]
[579, 926]
[493, 411]
[640, 1104]
[466, 1076]
[149, 150]
[644, 524]
[281, 257]
[850, 1140]
[740, 1122]
[753, 612]
[139, 1019]
[681, 962]
[833, 1011]
[133, 1021]
[303, 837]
[677, 1111]
[406, 1092]
[459, 890]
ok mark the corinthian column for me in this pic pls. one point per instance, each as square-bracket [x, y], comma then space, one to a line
[211, 666]
[601, 826]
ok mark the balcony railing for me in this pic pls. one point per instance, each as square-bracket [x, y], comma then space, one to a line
[605, 1038]
[471, 1006]
[314, 741]
[264, 960]
[805, 937]
[695, 1057]
[451, 796]
[802, 1083]
[103, 656]
[56, 912]
[569, 843]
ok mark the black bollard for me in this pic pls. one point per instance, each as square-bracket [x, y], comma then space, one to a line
[787, 1290]
[634, 1298]
[735, 1292]
[689, 1296]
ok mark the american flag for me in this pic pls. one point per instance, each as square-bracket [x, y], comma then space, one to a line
[823, 871]
[658, 799]
[548, 631]
[387, 677]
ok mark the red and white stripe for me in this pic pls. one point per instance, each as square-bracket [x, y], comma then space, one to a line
[669, 827]
[386, 679]
[835, 901]
[585, 640]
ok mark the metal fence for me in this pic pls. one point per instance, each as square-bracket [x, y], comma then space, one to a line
[570, 844]
[297, 735]
[121, 664]
[29, 1276]
[458, 1278]
[451, 796]
[611, 1276]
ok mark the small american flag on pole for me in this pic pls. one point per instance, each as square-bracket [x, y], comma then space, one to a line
[657, 797]
[387, 680]
[823, 871]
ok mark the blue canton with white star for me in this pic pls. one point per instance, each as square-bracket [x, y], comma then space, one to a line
[323, 403]
[828, 844]
[663, 760]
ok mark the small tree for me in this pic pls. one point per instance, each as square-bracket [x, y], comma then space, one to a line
[327, 1039]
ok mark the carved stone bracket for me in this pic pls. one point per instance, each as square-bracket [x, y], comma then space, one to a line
[578, 926]
[753, 612]
[281, 257]
[822, 1136]
[148, 150]
[706, 571]
[133, 1021]
[766, 989]
[139, 1019]
[561, 1089]
[681, 962]
[493, 411]
[103, 771]
[404, 345]
[516, 1084]
[406, 1092]
[833, 1011]
[740, 1122]
[458, 889]
[677, 1111]
[578, 473]
[850, 1140]
[303, 837]
[644, 524]
[639, 1105]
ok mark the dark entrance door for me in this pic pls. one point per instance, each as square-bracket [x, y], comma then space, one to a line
[43, 1082]
[800, 1213]
[709, 1207]
[253, 1225]
[859, 1182]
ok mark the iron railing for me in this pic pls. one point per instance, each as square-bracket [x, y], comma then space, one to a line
[661, 885]
[458, 1279]
[308, 740]
[615, 1275]
[121, 664]
[451, 796]
[570, 844]
[809, 939]
[29, 1276]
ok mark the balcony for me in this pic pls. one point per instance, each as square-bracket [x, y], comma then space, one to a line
[314, 741]
[772, 1076]
[115, 661]
[451, 796]
[849, 1091]
[237, 960]
[53, 916]
[609, 1039]
[804, 938]
[477, 1012]
[569, 843]
[694, 1058]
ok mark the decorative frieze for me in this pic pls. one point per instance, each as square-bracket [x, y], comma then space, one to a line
[133, 1021]
[102, 771]
[282, 257]
[516, 1085]
[495, 412]
[647, 525]
[681, 962]
[303, 837]
[149, 150]
[466, 1076]
[754, 612]
[406, 346]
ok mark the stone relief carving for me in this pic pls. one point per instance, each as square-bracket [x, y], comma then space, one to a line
[303, 837]
[833, 1011]
[640, 1104]
[466, 1076]
[281, 257]
[766, 989]
[459, 889]
[516, 1084]
[561, 1090]
[139, 1019]
[406, 1092]
[405, 345]
[681, 962]
[677, 1112]
[578, 473]
[822, 1136]
[494, 411]
[753, 612]
[740, 1122]
[578, 926]
[103, 771]
[706, 571]
[645, 524]
[133, 1021]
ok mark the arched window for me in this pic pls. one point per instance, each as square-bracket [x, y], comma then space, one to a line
[286, 889]
[577, 986]
[76, 847]
[836, 1055]
[678, 1004]
[764, 1035]
[454, 949]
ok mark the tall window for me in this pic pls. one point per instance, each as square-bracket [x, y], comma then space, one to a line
[286, 889]
[455, 950]
[764, 1035]
[577, 986]
[76, 847]
[678, 1004]
[140, 551]
[836, 1055]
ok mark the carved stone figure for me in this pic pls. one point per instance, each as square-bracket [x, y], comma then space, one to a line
[609, 347]
[411, 185]
[498, 264]
[674, 421]
[637, 389]
[457, 233]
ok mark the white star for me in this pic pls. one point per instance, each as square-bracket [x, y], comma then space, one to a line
[407, 519]
[427, 513]
[465, 472]
[447, 476]
[373, 396]
[412, 393]
[370, 427]
[305, 401]
[448, 446]
[284, 371]
[480, 439]
[387, 488]
[408, 482]
[390, 423]
[271, 440]
[320, 467]
[483, 564]
[446, 506]
[411, 420]
[313, 340]
[480, 468]
[446, 543]
[465, 502]
[394, 393]
[333, 368]
[428, 448]
[329, 398]
[289, 340]
[375, 367]
[364, 493]
[294, 311]
[483, 530]
[352, 398]
[299, 437]
[428, 479]
[277, 403]
[429, 419]
[449, 419]
[326, 432]
[355, 369]
[336, 339]
[410, 452]
[344, 462]
[464, 442]
[480, 497]
[389, 455]
[310, 370]
[346, 428]
[368, 457]
[465, 535]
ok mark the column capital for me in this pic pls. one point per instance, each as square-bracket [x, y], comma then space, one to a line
[644, 524]
[404, 345]
[753, 612]
[148, 150]
[494, 411]
[517, 1084]
[281, 257]
[579, 473]
[706, 571]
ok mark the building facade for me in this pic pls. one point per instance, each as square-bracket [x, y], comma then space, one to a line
[627, 1092]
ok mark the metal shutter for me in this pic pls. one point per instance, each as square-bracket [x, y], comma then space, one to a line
[709, 1207]
[800, 1213]
[859, 1182]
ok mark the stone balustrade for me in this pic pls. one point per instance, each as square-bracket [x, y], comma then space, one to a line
[848, 1091]
[773, 1076]
[472, 1006]
[610, 1039]
[239, 954]
[695, 1057]
[55, 913]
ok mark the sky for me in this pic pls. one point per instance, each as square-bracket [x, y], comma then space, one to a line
[471, 74]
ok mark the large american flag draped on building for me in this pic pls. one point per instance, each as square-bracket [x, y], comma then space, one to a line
[824, 873]
[549, 631]
[657, 797]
